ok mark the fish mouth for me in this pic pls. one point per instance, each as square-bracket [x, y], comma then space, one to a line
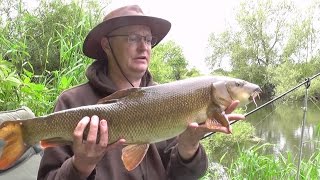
[254, 95]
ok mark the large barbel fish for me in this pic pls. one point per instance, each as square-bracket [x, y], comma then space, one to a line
[139, 115]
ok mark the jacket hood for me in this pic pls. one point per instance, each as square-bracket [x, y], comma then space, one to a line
[97, 76]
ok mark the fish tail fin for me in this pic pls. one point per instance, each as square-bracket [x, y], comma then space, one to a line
[11, 143]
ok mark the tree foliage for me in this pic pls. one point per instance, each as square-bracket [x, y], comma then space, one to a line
[48, 36]
[269, 35]
[169, 64]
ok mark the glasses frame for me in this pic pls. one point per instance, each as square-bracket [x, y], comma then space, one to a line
[154, 40]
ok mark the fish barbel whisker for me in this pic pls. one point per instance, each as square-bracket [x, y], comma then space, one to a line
[254, 95]
[245, 108]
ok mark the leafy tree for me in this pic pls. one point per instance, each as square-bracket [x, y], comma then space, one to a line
[169, 64]
[268, 34]
[50, 35]
[193, 72]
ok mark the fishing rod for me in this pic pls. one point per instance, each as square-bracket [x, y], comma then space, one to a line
[302, 129]
[306, 82]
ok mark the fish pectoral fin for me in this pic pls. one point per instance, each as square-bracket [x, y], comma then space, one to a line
[132, 155]
[117, 95]
[52, 142]
[221, 118]
[218, 122]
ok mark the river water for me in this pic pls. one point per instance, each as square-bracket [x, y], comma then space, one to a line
[281, 124]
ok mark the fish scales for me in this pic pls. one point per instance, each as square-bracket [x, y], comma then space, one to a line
[134, 117]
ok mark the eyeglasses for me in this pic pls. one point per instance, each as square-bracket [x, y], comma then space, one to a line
[136, 38]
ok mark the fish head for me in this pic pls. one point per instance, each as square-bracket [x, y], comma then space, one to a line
[229, 89]
[242, 90]
[223, 92]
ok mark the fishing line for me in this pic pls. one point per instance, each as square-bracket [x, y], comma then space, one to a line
[269, 114]
[307, 81]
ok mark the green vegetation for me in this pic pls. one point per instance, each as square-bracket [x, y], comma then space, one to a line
[252, 163]
[273, 43]
[275, 46]
[41, 52]
[169, 64]
[241, 155]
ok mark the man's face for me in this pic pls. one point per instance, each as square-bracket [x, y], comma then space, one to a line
[132, 48]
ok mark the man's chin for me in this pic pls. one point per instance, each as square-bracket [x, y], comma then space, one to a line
[141, 69]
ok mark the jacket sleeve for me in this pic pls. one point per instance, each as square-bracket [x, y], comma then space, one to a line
[177, 168]
[56, 163]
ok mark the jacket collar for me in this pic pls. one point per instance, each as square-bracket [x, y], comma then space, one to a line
[97, 76]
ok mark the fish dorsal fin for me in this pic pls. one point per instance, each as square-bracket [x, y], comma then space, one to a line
[52, 142]
[132, 155]
[118, 95]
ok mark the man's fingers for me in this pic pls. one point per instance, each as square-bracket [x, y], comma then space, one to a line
[223, 130]
[104, 138]
[78, 131]
[116, 144]
[235, 117]
[193, 125]
[232, 106]
[204, 129]
[92, 134]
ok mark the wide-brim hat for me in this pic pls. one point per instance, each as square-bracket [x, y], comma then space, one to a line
[124, 16]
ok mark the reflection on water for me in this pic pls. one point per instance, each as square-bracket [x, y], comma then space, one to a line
[281, 124]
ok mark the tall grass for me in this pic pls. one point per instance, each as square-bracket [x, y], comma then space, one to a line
[252, 163]
[45, 55]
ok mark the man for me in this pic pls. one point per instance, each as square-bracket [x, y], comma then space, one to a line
[121, 45]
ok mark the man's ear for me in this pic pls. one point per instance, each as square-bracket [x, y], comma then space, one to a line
[105, 44]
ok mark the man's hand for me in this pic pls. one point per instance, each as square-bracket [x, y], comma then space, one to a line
[188, 141]
[88, 153]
